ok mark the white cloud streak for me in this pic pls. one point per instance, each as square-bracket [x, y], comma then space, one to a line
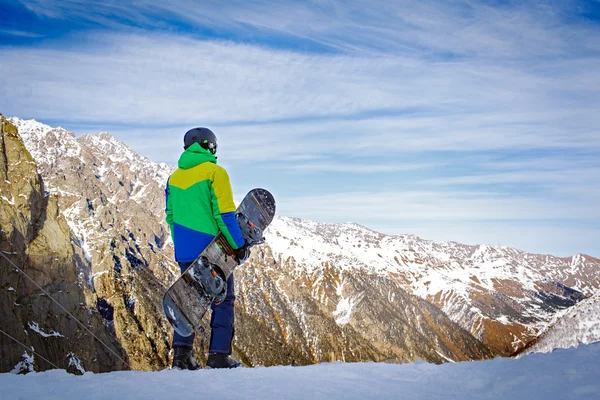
[318, 166]
[465, 28]
[443, 105]
[13, 32]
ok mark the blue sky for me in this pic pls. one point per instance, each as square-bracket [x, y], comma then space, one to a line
[472, 121]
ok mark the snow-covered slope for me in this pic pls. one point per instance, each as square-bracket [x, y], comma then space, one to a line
[439, 266]
[564, 374]
[569, 328]
[97, 178]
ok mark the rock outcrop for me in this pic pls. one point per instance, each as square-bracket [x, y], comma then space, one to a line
[35, 236]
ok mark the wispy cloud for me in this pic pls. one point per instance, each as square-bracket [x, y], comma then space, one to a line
[416, 27]
[19, 33]
[445, 104]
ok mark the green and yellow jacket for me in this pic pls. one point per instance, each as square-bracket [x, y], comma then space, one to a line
[200, 204]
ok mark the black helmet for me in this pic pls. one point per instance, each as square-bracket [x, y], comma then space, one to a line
[203, 136]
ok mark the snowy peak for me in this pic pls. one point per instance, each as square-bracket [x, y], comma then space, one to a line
[46, 144]
[30, 127]
[110, 146]
[112, 152]
[34, 131]
[102, 184]
[581, 260]
[102, 152]
[363, 247]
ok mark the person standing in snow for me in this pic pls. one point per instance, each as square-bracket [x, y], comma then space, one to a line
[199, 206]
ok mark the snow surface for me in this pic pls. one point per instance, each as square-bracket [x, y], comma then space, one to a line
[11, 201]
[563, 374]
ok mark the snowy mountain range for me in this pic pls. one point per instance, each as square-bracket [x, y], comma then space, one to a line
[501, 295]
[315, 292]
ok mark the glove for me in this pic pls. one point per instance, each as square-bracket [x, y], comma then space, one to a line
[242, 254]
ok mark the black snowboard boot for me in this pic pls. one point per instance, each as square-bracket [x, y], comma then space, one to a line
[221, 361]
[183, 358]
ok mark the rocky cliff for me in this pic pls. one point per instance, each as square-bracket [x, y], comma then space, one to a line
[113, 210]
[35, 236]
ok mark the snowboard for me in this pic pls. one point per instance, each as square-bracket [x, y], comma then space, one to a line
[205, 280]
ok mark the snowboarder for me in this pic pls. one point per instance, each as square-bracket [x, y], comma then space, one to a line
[199, 205]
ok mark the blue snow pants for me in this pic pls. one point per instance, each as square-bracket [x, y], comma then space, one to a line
[221, 322]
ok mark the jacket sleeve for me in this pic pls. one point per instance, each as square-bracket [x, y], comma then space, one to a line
[224, 209]
[169, 211]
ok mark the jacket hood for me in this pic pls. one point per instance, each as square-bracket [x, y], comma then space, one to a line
[195, 155]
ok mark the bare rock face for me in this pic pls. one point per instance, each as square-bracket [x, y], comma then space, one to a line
[338, 315]
[315, 292]
[36, 238]
[109, 197]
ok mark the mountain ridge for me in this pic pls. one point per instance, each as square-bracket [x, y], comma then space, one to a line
[310, 278]
[451, 275]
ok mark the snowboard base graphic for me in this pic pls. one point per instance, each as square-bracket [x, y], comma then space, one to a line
[204, 281]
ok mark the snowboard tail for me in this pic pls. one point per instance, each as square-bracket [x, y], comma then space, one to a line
[205, 280]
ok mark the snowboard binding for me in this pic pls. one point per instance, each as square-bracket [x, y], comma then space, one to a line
[252, 234]
[211, 280]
